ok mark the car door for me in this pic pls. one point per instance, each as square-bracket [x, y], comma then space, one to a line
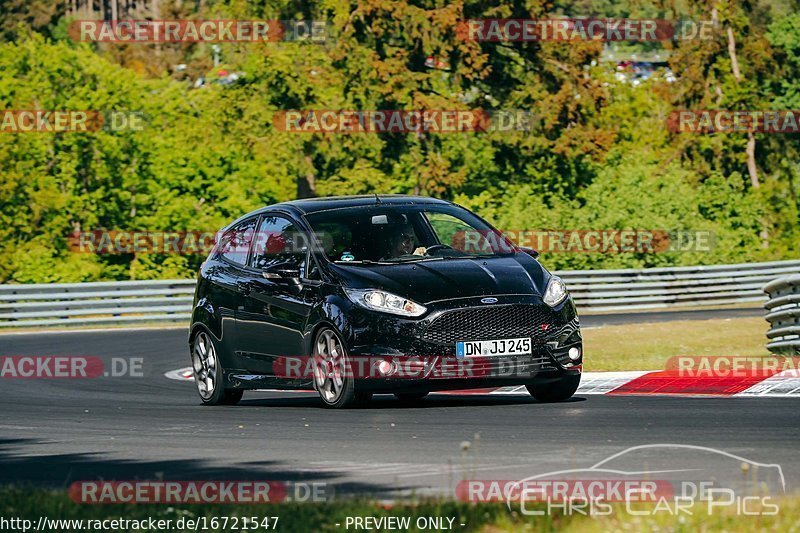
[276, 309]
[226, 276]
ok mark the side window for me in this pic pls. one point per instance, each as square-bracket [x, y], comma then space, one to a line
[279, 241]
[452, 231]
[235, 243]
[335, 238]
[460, 236]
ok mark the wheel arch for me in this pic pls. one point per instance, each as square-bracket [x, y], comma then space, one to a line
[331, 314]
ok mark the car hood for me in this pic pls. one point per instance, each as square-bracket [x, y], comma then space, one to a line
[430, 281]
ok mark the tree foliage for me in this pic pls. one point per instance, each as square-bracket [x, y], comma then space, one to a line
[600, 156]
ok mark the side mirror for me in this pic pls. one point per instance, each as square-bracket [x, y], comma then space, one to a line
[282, 272]
[530, 251]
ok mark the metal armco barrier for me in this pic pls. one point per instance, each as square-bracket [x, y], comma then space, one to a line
[130, 302]
[663, 288]
[113, 302]
[783, 315]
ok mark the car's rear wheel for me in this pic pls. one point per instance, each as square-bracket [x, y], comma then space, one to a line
[208, 373]
[555, 391]
[332, 377]
[410, 396]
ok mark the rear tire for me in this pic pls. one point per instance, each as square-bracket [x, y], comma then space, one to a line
[208, 373]
[556, 391]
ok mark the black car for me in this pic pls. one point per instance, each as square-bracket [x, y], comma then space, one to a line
[353, 296]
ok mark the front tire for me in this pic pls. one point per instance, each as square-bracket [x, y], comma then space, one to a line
[208, 373]
[333, 378]
[555, 391]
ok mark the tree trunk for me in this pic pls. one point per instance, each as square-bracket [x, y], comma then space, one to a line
[751, 139]
[750, 149]
[307, 185]
[732, 54]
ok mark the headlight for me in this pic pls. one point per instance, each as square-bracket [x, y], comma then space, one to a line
[556, 292]
[385, 301]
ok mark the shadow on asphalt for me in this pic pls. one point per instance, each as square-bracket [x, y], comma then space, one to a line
[388, 402]
[60, 471]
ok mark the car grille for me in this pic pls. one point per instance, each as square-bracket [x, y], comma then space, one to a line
[511, 367]
[495, 322]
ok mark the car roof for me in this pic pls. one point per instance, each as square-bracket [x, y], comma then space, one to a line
[312, 205]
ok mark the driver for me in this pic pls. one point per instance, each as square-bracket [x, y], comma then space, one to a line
[401, 243]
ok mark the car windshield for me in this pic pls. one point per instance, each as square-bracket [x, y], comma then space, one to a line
[392, 234]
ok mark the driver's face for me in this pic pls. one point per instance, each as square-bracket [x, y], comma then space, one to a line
[404, 243]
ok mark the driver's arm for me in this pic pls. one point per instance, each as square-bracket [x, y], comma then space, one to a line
[420, 250]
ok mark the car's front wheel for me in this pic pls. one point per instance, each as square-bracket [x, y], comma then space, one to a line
[555, 391]
[332, 376]
[208, 373]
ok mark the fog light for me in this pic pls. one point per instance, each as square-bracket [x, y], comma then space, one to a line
[574, 353]
[385, 368]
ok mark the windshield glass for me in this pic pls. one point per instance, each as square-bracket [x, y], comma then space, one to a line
[394, 234]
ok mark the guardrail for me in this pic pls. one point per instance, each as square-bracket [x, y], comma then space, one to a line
[593, 290]
[783, 314]
[114, 302]
[662, 288]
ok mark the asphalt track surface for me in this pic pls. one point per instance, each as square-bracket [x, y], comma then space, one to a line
[56, 432]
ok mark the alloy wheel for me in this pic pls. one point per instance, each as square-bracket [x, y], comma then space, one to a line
[330, 367]
[204, 362]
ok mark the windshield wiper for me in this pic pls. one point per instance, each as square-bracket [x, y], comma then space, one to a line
[419, 259]
[361, 262]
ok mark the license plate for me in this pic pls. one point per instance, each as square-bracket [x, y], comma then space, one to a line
[494, 348]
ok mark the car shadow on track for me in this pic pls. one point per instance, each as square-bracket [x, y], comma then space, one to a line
[387, 401]
[20, 467]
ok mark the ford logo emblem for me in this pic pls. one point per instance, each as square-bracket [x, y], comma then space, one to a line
[488, 300]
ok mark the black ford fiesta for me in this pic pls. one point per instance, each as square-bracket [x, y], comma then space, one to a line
[355, 296]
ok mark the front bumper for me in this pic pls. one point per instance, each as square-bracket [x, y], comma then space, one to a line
[377, 341]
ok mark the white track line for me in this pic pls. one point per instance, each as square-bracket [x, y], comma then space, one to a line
[783, 385]
[787, 383]
[591, 383]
